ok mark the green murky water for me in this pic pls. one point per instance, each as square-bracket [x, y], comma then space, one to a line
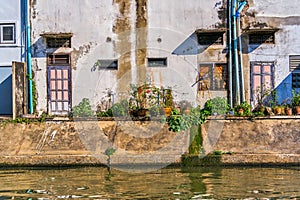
[168, 183]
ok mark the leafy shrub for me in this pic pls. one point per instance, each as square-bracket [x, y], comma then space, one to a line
[218, 105]
[83, 109]
[107, 113]
[120, 109]
[178, 122]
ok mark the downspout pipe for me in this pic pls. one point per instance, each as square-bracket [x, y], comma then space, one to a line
[235, 54]
[28, 47]
[240, 8]
[238, 12]
[230, 52]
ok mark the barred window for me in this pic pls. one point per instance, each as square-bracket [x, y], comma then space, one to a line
[210, 38]
[262, 37]
[212, 76]
[58, 59]
[295, 69]
[58, 42]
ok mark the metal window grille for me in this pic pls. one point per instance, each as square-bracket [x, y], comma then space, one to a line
[295, 80]
[262, 38]
[211, 38]
[59, 59]
[57, 42]
[295, 69]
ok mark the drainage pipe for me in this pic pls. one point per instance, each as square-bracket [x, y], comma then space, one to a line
[235, 54]
[230, 52]
[238, 12]
[28, 45]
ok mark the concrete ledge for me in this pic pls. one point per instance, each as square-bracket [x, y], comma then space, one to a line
[242, 160]
[187, 160]
[48, 160]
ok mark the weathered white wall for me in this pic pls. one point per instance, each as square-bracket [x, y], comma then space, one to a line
[277, 14]
[92, 22]
[131, 31]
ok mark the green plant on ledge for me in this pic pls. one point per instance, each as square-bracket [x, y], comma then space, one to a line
[83, 109]
[216, 106]
[120, 109]
[295, 98]
[244, 109]
[178, 122]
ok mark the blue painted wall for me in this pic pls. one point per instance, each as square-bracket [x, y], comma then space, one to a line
[10, 12]
[5, 91]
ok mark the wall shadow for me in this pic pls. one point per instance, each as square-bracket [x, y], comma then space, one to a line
[6, 96]
[190, 46]
[284, 90]
[38, 49]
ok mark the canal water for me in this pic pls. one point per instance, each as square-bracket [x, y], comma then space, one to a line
[167, 183]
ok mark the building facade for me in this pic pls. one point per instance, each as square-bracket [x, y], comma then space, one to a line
[12, 48]
[85, 48]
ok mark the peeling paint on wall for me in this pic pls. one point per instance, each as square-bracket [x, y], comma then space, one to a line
[79, 53]
[222, 14]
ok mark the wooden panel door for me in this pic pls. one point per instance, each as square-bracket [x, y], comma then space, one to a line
[59, 90]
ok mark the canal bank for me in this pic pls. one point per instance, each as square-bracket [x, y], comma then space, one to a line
[230, 141]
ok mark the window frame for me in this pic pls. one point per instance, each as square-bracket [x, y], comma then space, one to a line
[158, 59]
[54, 59]
[262, 74]
[219, 35]
[294, 65]
[261, 40]
[211, 77]
[3, 25]
[106, 64]
[56, 42]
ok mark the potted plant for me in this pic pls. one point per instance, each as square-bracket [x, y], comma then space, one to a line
[288, 110]
[244, 109]
[168, 101]
[296, 102]
[278, 110]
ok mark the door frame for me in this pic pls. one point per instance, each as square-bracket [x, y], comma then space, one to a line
[59, 66]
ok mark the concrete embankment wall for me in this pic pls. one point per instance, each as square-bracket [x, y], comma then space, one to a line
[265, 141]
[242, 141]
[85, 143]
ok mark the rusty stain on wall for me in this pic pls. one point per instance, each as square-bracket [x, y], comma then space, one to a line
[122, 28]
[141, 39]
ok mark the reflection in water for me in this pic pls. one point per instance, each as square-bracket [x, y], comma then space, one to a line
[170, 183]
